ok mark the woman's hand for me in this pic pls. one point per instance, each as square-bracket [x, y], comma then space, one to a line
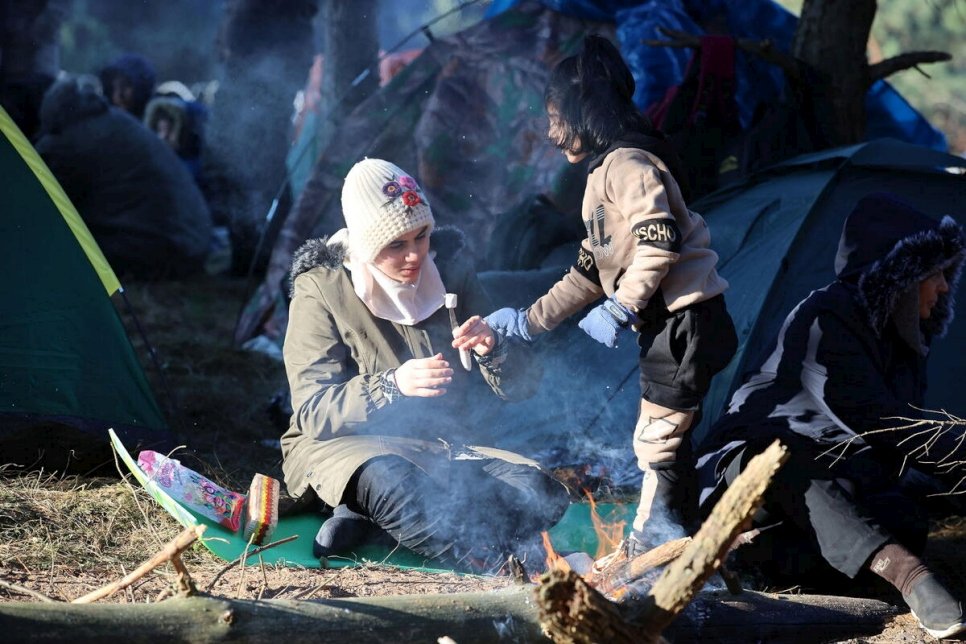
[474, 334]
[424, 377]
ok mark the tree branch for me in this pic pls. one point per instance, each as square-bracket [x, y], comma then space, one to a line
[172, 549]
[25, 591]
[895, 64]
[245, 555]
[764, 49]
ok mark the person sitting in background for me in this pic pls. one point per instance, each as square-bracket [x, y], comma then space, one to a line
[179, 120]
[849, 365]
[128, 83]
[383, 428]
[141, 205]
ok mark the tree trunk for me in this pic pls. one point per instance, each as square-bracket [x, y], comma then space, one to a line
[831, 38]
[506, 615]
[266, 48]
[29, 56]
[351, 49]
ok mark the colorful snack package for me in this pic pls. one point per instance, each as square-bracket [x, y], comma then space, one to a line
[261, 514]
[195, 491]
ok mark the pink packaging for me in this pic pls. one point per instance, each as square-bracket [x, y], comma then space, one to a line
[193, 490]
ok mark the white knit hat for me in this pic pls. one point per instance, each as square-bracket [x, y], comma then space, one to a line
[381, 203]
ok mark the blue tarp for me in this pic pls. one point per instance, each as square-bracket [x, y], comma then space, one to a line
[656, 69]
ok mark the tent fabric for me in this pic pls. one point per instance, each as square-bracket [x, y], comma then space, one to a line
[656, 69]
[466, 118]
[26, 151]
[67, 368]
[776, 235]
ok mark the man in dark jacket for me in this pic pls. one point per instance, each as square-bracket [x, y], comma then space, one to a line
[135, 195]
[841, 390]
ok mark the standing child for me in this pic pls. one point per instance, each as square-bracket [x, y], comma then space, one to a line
[650, 256]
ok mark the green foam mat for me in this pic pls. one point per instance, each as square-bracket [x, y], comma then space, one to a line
[573, 533]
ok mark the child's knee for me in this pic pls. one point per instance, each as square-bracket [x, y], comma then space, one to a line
[659, 434]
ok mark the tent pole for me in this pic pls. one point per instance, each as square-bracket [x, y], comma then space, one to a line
[166, 391]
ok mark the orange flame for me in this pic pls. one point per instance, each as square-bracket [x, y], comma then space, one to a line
[609, 533]
[554, 561]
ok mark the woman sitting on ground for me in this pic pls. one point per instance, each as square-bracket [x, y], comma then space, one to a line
[383, 410]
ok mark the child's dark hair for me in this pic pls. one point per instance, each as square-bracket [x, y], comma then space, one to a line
[591, 97]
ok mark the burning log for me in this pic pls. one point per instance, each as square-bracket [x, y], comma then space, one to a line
[620, 572]
[572, 612]
[681, 579]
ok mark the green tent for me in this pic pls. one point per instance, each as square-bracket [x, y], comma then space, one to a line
[67, 369]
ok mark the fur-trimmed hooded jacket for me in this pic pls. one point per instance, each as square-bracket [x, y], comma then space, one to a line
[335, 350]
[851, 357]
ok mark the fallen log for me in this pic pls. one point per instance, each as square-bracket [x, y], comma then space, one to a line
[504, 615]
[465, 617]
[722, 617]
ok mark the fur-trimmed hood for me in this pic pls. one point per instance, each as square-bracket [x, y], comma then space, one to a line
[67, 102]
[330, 252]
[887, 246]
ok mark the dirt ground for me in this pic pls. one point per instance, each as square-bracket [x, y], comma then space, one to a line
[62, 536]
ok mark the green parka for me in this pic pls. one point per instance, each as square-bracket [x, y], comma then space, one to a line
[335, 351]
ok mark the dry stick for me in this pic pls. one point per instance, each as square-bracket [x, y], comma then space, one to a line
[687, 574]
[613, 577]
[186, 586]
[572, 611]
[172, 549]
[234, 563]
[26, 591]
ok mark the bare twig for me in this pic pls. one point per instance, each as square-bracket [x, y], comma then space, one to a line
[172, 549]
[244, 556]
[764, 49]
[186, 587]
[922, 436]
[895, 64]
[26, 591]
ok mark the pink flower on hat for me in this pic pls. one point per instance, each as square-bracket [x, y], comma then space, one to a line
[408, 183]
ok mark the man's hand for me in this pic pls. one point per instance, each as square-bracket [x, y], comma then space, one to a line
[474, 334]
[512, 323]
[606, 321]
[424, 377]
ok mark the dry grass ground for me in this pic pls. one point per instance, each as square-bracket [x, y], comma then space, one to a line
[63, 536]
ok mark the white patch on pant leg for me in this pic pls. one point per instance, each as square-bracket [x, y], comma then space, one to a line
[656, 440]
[648, 490]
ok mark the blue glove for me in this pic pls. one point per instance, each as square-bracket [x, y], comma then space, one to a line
[511, 323]
[606, 321]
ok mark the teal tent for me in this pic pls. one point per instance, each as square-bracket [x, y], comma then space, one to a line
[776, 234]
[67, 369]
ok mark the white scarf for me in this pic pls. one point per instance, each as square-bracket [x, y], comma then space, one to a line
[390, 299]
